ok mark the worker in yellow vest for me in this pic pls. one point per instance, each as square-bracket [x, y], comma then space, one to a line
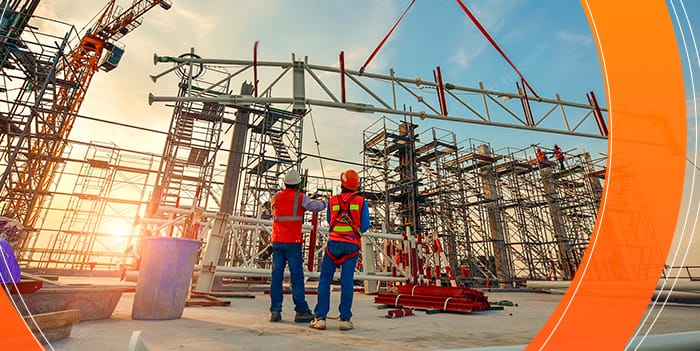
[348, 217]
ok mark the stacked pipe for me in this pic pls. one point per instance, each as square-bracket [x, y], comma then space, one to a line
[431, 297]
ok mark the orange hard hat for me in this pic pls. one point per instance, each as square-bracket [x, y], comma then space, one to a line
[350, 180]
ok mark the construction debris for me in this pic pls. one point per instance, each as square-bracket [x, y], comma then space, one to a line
[402, 312]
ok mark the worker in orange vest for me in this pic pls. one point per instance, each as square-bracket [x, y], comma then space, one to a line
[541, 156]
[288, 208]
[559, 156]
[348, 217]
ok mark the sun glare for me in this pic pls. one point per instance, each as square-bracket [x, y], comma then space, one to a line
[118, 228]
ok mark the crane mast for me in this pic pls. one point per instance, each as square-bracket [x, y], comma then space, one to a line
[33, 164]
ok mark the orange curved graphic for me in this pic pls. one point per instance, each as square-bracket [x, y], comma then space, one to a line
[14, 334]
[644, 180]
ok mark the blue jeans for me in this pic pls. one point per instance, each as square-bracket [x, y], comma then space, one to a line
[283, 253]
[347, 273]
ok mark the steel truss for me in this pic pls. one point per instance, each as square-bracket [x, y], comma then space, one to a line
[377, 93]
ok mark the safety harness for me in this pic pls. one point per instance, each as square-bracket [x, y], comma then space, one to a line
[343, 217]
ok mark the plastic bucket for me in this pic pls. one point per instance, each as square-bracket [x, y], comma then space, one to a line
[164, 277]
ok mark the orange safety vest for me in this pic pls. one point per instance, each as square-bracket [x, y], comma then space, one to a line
[558, 153]
[345, 210]
[288, 216]
[541, 157]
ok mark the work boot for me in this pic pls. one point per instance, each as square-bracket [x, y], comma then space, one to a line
[275, 316]
[304, 317]
[318, 323]
[345, 325]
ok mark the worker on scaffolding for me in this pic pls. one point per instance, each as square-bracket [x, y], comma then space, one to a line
[559, 155]
[541, 156]
[348, 216]
[288, 208]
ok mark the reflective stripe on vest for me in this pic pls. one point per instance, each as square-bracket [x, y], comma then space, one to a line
[343, 231]
[288, 216]
[294, 211]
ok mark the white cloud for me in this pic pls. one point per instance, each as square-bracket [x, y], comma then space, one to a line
[491, 14]
[463, 56]
[574, 38]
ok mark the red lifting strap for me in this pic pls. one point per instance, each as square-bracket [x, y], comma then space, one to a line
[493, 42]
[376, 50]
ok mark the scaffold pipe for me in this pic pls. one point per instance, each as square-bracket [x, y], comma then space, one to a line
[680, 285]
[222, 271]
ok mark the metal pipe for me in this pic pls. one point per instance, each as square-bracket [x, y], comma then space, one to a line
[250, 220]
[359, 107]
[222, 271]
[662, 285]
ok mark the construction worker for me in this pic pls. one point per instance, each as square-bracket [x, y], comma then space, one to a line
[559, 156]
[348, 216]
[541, 156]
[288, 208]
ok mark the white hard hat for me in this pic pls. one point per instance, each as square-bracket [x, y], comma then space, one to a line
[292, 178]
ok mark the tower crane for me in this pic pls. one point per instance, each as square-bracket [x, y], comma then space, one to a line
[31, 168]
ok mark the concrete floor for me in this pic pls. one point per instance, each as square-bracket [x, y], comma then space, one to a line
[244, 325]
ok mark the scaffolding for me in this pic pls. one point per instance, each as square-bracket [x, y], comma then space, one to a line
[273, 148]
[45, 77]
[441, 190]
[481, 248]
[31, 148]
[481, 214]
[186, 169]
[96, 226]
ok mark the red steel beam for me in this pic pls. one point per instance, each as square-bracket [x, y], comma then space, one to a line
[342, 76]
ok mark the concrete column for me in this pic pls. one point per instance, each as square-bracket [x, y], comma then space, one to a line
[500, 251]
[219, 237]
[596, 187]
[555, 211]
[233, 169]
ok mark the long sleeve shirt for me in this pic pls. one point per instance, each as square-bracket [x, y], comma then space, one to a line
[312, 205]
